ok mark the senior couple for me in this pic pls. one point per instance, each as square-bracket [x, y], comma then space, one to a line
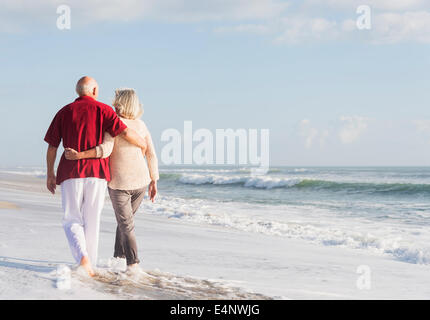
[103, 148]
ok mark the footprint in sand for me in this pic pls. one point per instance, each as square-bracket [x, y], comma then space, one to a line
[159, 285]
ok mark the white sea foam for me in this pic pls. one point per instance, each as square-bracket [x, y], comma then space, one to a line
[328, 231]
[263, 182]
[266, 182]
[300, 170]
[210, 179]
[178, 238]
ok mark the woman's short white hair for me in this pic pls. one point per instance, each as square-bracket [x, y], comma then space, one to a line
[126, 103]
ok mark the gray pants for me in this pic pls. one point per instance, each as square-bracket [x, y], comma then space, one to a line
[125, 203]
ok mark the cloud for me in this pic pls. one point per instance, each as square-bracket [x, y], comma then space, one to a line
[283, 22]
[422, 125]
[302, 29]
[217, 10]
[387, 28]
[393, 21]
[352, 128]
[18, 14]
[349, 129]
[388, 5]
[311, 134]
[290, 30]
[399, 27]
[259, 29]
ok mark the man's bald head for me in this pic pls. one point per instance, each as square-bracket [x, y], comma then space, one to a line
[87, 86]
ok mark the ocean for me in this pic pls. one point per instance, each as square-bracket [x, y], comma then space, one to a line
[219, 232]
[382, 210]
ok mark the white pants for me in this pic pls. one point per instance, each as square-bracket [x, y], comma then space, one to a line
[83, 201]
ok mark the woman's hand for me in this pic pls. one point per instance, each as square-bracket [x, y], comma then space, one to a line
[152, 190]
[71, 154]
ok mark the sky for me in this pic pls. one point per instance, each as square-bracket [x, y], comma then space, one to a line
[330, 94]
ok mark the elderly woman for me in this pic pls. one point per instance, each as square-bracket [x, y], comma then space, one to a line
[131, 174]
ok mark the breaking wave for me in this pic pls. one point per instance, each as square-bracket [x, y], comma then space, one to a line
[270, 182]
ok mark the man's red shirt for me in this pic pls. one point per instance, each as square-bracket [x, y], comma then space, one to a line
[81, 125]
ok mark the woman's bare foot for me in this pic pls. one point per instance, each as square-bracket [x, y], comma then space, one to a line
[134, 270]
[85, 263]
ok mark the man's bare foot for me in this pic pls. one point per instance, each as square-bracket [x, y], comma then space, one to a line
[135, 270]
[85, 263]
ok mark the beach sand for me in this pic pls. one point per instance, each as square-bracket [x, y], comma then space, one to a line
[184, 260]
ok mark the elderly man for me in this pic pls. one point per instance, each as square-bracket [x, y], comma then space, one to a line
[81, 126]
